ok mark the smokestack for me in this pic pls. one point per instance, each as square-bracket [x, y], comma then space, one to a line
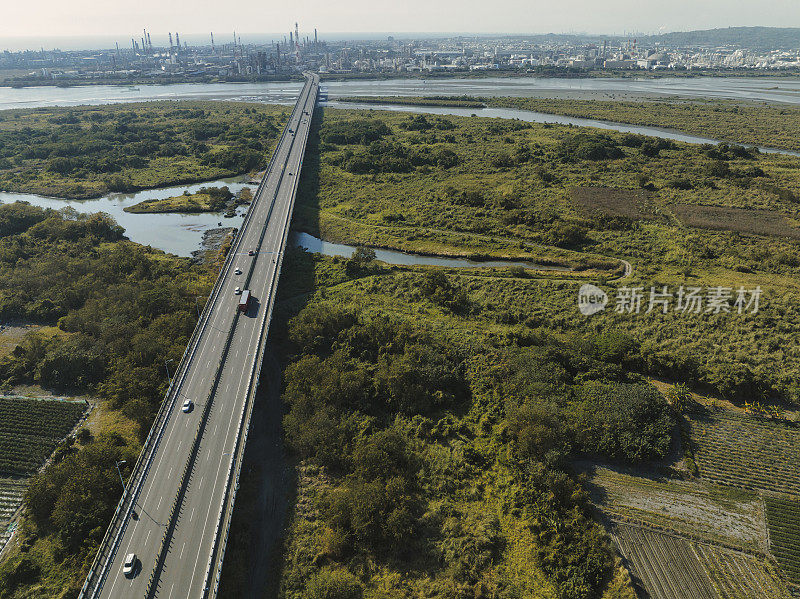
[170, 40]
[177, 40]
[315, 36]
[149, 41]
[133, 45]
[213, 49]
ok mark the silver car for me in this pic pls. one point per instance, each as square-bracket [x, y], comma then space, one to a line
[129, 567]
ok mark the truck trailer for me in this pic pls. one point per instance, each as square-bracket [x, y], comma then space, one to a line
[244, 300]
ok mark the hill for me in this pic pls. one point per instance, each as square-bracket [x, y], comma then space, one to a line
[754, 38]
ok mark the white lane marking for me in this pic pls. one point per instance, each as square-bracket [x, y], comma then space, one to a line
[202, 341]
[244, 377]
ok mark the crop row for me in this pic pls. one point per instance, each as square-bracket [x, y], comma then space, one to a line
[670, 567]
[30, 431]
[737, 575]
[783, 520]
[664, 566]
[44, 418]
[746, 452]
[11, 492]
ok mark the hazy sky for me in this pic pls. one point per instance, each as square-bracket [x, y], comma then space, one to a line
[49, 18]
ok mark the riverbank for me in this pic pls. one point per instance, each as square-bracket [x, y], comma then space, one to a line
[734, 121]
[86, 152]
[206, 199]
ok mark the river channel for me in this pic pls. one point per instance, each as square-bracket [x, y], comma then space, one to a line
[182, 233]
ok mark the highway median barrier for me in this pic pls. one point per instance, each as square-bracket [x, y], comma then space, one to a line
[219, 544]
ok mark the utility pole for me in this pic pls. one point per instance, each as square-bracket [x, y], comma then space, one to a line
[118, 464]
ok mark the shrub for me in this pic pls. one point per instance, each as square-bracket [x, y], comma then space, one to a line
[624, 421]
[334, 584]
[354, 131]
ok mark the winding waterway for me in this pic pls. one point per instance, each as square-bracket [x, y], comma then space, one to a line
[181, 234]
[178, 234]
[314, 244]
[542, 117]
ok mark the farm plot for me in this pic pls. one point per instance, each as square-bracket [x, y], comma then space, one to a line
[11, 492]
[698, 509]
[739, 575]
[783, 519]
[669, 567]
[741, 220]
[30, 429]
[748, 452]
[663, 566]
[628, 204]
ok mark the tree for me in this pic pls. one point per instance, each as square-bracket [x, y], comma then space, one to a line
[361, 258]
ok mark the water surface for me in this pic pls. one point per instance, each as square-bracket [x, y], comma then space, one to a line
[178, 234]
[314, 244]
[543, 117]
[766, 89]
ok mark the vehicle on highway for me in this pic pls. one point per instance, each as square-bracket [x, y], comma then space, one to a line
[187, 406]
[244, 301]
[238, 271]
[237, 291]
[129, 567]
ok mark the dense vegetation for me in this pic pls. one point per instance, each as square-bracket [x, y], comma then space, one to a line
[583, 198]
[30, 430]
[117, 312]
[205, 199]
[437, 413]
[770, 125]
[756, 123]
[87, 151]
[442, 441]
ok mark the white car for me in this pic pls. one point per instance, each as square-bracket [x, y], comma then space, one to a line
[187, 406]
[238, 271]
[238, 291]
[129, 567]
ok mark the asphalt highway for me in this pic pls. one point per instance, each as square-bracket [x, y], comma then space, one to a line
[206, 502]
